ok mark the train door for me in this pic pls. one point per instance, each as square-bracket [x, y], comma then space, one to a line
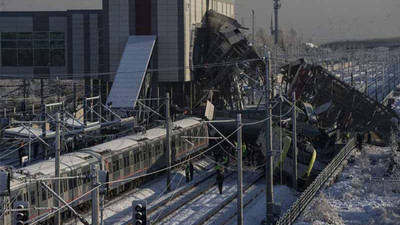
[127, 163]
[145, 162]
[79, 184]
[136, 159]
[115, 167]
[152, 155]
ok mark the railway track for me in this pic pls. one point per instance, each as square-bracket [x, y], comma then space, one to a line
[203, 206]
[170, 206]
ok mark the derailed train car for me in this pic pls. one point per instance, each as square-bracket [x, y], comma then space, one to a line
[123, 158]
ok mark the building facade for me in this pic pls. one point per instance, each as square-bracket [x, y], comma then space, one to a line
[72, 43]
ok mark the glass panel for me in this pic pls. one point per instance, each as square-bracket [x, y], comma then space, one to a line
[41, 44]
[25, 44]
[25, 35]
[9, 44]
[8, 35]
[9, 57]
[41, 35]
[57, 57]
[25, 57]
[57, 44]
[41, 57]
[57, 35]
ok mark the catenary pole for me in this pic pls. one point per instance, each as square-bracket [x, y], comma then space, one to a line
[168, 140]
[57, 215]
[294, 146]
[269, 156]
[252, 27]
[95, 194]
[240, 172]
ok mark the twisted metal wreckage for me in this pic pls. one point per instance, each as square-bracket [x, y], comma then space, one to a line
[327, 106]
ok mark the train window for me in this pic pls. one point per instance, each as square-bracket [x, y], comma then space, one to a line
[115, 165]
[149, 153]
[25, 196]
[126, 161]
[136, 158]
[33, 199]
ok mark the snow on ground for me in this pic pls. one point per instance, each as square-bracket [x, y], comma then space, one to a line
[194, 210]
[356, 197]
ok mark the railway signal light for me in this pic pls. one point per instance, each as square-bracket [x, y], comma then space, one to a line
[139, 214]
[21, 213]
[104, 179]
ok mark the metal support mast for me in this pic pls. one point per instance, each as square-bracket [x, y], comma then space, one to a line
[168, 140]
[252, 29]
[240, 172]
[95, 194]
[57, 215]
[294, 133]
[268, 139]
[277, 6]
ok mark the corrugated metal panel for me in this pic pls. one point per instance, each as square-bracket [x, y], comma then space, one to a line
[131, 71]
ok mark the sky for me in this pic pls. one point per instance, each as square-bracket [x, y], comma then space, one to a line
[323, 20]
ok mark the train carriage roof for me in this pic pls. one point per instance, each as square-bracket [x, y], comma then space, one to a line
[76, 160]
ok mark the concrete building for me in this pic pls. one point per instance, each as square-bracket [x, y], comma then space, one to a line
[72, 43]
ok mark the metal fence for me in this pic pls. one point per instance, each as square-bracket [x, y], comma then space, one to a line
[305, 198]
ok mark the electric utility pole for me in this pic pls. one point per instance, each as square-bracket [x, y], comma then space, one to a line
[168, 140]
[268, 141]
[240, 172]
[277, 6]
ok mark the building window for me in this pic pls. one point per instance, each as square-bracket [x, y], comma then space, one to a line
[33, 49]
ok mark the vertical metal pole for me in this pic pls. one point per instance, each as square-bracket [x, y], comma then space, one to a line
[58, 90]
[280, 133]
[366, 83]
[294, 152]
[74, 111]
[57, 215]
[270, 161]
[252, 30]
[30, 145]
[351, 79]
[85, 105]
[168, 140]
[383, 80]
[240, 172]
[277, 5]
[95, 195]
[376, 84]
[24, 109]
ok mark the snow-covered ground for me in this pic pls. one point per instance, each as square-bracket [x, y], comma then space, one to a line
[360, 195]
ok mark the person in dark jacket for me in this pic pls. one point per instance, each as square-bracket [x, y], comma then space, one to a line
[220, 180]
[191, 170]
[187, 173]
